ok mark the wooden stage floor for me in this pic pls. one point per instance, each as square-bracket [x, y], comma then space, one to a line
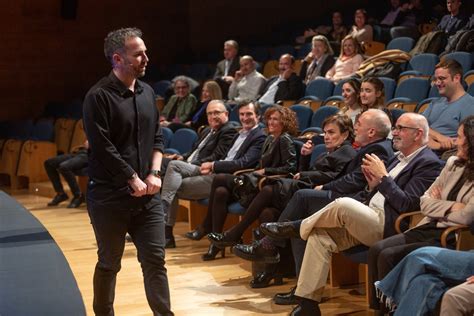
[217, 287]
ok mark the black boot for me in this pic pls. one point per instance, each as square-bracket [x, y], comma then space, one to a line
[306, 307]
[169, 238]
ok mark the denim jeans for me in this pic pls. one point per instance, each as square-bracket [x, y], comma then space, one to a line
[418, 282]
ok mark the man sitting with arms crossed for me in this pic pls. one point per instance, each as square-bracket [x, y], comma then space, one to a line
[346, 222]
[193, 178]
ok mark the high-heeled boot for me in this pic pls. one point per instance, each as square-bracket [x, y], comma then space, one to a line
[212, 253]
[169, 238]
[264, 278]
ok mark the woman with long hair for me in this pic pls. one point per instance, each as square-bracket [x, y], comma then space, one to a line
[448, 202]
[361, 30]
[348, 62]
[278, 157]
[350, 93]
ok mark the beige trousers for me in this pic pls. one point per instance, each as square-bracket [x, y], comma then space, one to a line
[340, 225]
[458, 300]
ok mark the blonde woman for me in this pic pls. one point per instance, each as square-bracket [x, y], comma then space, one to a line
[348, 62]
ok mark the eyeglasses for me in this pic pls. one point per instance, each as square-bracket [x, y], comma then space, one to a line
[215, 113]
[398, 128]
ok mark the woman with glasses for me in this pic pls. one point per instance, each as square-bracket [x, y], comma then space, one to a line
[448, 202]
[180, 106]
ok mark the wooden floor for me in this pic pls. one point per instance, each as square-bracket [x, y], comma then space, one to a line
[218, 287]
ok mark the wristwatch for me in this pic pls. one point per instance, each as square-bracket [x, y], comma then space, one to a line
[156, 173]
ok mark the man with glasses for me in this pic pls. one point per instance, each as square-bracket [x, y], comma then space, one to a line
[445, 114]
[346, 222]
[220, 149]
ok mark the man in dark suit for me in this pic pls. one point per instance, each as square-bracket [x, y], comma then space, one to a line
[346, 222]
[286, 86]
[226, 68]
[192, 180]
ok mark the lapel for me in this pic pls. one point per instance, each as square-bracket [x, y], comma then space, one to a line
[408, 167]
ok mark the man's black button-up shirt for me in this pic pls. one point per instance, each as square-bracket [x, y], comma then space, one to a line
[123, 130]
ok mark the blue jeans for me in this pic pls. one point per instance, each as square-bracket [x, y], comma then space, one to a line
[418, 282]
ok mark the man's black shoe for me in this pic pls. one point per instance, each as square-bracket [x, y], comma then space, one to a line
[60, 197]
[76, 201]
[281, 229]
[256, 252]
[287, 298]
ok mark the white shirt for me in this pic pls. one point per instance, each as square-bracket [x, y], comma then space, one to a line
[378, 200]
[247, 88]
[269, 96]
[238, 142]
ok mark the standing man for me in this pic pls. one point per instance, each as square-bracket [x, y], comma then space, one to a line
[126, 144]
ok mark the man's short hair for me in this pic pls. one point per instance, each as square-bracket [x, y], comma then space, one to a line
[221, 103]
[115, 40]
[256, 105]
[292, 58]
[451, 65]
[232, 43]
[381, 122]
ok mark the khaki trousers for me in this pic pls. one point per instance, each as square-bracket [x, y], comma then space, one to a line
[458, 300]
[340, 225]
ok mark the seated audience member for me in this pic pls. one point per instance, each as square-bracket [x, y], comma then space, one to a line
[285, 86]
[67, 165]
[334, 33]
[391, 16]
[371, 130]
[226, 68]
[344, 223]
[278, 157]
[361, 31]
[319, 60]
[455, 20]
[348, 62]
[350, 92]
[247, 82]
[446, 203]
[417, 284]
[210, 91]
[213, 145]
[191, 181]
[338, 135]
[180, 106]
[445, 113]
[372, 95]
[410, 16]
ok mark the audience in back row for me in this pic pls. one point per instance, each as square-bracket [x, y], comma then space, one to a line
[247, 83]
[348, 62]
[318, 61]
[180, 106]
[226, 68]
[285, 86]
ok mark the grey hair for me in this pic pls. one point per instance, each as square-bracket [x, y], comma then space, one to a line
[232, 43]
[381, 122]
[115, 41]
[220, 102]
[420, 122]
[191, 83]
[322, 38]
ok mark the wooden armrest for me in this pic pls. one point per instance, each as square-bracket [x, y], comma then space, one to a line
[447, 231]
[262, 180]
[242, 171]
[400, 218]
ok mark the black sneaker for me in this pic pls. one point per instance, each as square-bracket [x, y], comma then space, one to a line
[60, 197]
[76, 201]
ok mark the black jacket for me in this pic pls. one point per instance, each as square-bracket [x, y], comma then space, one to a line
[352, 184]
[291, 89]
[216, 147]
[278, 155]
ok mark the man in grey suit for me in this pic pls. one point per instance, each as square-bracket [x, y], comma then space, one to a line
[226, 68]
[192, 181]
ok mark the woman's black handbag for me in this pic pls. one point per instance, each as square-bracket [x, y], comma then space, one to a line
[246, 188]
